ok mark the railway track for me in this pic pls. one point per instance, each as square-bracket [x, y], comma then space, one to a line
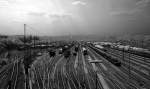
[132, 82]
[141, 68]
[12, 76]
[60, 73]
[75, 72]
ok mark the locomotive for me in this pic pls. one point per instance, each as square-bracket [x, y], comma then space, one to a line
[52, 53]
[60, 50]
[85, 52]
[74, 54]
[67, 54]
[76, 49]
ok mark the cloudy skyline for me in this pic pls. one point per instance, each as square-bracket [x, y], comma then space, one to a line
[63, 17]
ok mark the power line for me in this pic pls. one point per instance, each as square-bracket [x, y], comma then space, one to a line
[35, 31]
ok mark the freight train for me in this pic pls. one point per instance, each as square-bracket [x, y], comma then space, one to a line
[134, 50]
[115, 61]
[100, 47]
[127, 48]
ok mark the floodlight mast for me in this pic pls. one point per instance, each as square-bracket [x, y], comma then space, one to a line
[24, 41]
[24, 34]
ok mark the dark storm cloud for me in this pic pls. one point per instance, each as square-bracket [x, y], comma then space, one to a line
[90, 17]
[117, 16]
[131, 16]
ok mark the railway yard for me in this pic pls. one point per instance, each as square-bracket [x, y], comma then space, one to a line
[75, 65]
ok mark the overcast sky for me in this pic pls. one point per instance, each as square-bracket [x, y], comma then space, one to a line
[64, 17]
